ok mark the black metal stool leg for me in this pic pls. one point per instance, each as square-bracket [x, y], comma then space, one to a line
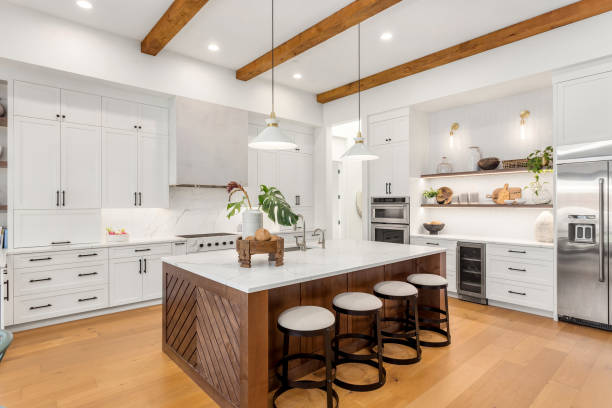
[328, 368]
[415, 308]
[336, 343]
[381, 374]
[285, 374]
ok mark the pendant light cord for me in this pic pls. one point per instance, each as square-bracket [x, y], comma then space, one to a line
[359, 75]
[272, 55]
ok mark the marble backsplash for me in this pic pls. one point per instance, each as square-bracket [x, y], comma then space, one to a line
[192, 211]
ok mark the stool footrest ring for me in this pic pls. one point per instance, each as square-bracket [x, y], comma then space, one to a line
[361, 387]
[282, 390]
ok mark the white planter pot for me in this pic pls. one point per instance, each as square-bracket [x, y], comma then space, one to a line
[252, 220]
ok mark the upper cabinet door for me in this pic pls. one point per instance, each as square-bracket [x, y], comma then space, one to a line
[119, 168]
[37, 163]
[120, 114]
[400, 183]
[305, 143]
[305, 184]
[153, 186]
[381, 170]
[153, 120]
[401, 130]
[81, 166]
[380, 132]
[267, 168]
[81, 108]
[583, 109]
[37, 101]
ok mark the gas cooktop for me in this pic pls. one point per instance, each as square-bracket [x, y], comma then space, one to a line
[210, 242]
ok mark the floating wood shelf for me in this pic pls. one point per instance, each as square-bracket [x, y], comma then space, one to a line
[3, 122]
[487, 205]
[3, 207]
[3, 164]
[475, 173]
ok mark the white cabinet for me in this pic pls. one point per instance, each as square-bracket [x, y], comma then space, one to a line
[295, 178]
[7, 296]
[153, 187]
[582, 109]
[81, 166]
[390, 174]
[153, 120]
[125, 277]
[37, 163]
[304, 142]
[267, 168]
[179, 248]
[389, 131]
[36, 101]
[152, 280]
[81, 108]
[34, 228]
[119, 114]
[119, 168]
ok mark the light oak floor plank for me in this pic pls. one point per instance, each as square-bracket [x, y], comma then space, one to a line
[498, 358]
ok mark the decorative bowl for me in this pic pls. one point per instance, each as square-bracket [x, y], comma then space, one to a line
[433, 228]
[488, 163]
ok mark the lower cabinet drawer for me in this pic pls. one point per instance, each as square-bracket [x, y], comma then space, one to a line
[141, 250]
[32, 308]
[518, 293]
[523, 271]
[29, 281]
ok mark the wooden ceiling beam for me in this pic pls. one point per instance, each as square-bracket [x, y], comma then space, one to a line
[343, 19]
[174, 19]
[545, 22]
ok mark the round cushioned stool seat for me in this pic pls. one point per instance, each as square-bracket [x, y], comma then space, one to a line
[357, 301]
[306, 318]
[427, 279]
[395, 288]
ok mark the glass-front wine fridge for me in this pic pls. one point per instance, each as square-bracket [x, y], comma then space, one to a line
[471, 272]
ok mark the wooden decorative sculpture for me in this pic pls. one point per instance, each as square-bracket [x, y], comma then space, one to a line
[274, 247]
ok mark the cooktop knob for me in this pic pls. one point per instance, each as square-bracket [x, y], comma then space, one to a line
[201, 245]
[209, 244]
[216, 244]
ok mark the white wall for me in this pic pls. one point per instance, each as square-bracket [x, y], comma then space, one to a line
[40, 39]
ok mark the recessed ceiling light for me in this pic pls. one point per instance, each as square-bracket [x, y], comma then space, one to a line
[213, 47]
[386, 36]
[297, 75]
[84, 4]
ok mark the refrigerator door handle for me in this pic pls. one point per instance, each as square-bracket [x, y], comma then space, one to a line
[601, 231]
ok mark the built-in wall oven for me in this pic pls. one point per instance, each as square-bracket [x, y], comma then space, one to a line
[390, 219]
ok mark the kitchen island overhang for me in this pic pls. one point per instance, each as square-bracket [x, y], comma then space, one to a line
[219, 320]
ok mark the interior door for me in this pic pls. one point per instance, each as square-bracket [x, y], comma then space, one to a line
[582, 241]
[81, 166]
[81, 108]
[381, 170]
[119, 168]
[152, 278]
[37, 163]
[153, 184]
[125, 278]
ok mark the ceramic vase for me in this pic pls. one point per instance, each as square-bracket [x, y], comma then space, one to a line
[252, 220]
[544, 227]
[474, 158]
[543, 196]
[444, 166]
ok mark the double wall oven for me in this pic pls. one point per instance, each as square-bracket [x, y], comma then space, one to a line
[390, 219]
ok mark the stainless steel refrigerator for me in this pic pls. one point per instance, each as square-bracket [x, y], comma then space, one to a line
[583, 238]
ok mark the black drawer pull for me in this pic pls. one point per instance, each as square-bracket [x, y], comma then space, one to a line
[60, 242]
[40, 307]
[179, 243]
[517, 293]
[88, 274]
[517, 269]
[40, 259]
[142, 250]
[86, 255]
[88, 299]
[433, 243]
[39, 280]
[516, 252]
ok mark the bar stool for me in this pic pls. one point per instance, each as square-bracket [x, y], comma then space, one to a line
[429, 281]
[401, 291]
[306, 321]
[359, 304]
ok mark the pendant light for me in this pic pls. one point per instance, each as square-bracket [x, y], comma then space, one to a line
[271, 138]
[359, 151]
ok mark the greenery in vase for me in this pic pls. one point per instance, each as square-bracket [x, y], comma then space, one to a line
[271, 201]
[539, 162]
[431, 193]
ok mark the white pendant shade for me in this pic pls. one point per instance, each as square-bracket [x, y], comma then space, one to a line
[271, 138]
[359, 151]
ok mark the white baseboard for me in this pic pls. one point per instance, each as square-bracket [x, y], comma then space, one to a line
[79, 316]
[524, 309]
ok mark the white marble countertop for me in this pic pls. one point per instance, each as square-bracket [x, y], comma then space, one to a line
[71, 247]
[488, 240]
[339, 256]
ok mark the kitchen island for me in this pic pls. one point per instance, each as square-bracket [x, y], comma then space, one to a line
[219, 320]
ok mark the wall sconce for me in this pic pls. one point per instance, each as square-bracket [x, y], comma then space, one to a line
[454, 128]
[524, 115]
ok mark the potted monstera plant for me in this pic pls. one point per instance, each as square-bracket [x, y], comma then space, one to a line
[271, 202]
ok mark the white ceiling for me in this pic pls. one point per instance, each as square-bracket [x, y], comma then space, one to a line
[241, 28]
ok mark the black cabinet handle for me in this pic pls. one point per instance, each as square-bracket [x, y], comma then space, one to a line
[63, 198]
[389, 188]
[88, 274]
[39, 280]
[87, 255]
[57, 115]
[139, 127]
[7, 298]
[140, 266]
[517, 293]
[179, 243]
[135, 126]
[40, 259]
[40, 307]
[135, 199]
[145, 265]
[516, 252]
[88, 299]
[57, 203]
[140, 199]
[517, 269]
[433, 243]
[142, 250]
[59, 242]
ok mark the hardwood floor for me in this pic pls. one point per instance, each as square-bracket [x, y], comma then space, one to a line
[498, 358]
